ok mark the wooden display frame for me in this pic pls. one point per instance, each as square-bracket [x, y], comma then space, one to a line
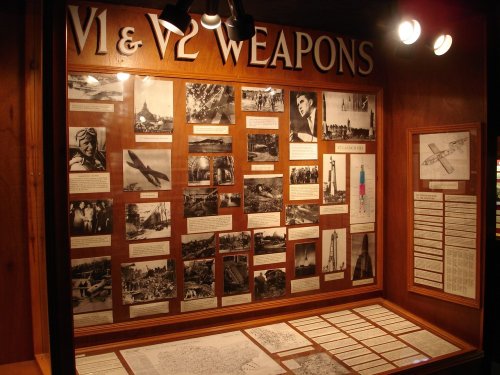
[327, 290]
[425, 192]
[119, 125]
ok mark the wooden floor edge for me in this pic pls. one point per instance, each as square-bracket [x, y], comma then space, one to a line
[43, 362]
[21, 368]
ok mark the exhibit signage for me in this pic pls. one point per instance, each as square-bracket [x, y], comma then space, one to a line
[267, 49]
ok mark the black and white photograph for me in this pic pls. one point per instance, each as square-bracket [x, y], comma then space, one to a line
[305, 259]
[148, 281]
[208, 103]
[228, 200]
[198, 246]
[235, 274]
[153, 105]
[263, 193]
[303, 116]
[269, 283]
[269, 241]
[263, 147]
[147, 170]
[348, 116]
[234, 241]
[200, 202]
[91, 284]
[95, 86]
[445, 156]
[87, 149]
[304, 174]
[334, 178]
[207, 143]
[198, 170]
[90, 217]
[296, 214]
[199, 279]
[362, 256]
[223, 168]
[333, 250]
[144, 221]
[262, 99]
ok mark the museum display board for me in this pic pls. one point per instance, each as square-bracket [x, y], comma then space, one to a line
[444, 197]
[209, 178]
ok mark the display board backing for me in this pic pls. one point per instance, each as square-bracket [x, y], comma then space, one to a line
[445, 250]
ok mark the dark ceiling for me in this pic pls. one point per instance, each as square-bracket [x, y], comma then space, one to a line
[356, 18]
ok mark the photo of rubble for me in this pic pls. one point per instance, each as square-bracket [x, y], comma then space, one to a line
[148, 281]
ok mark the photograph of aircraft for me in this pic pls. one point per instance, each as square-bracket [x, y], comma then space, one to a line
[146, 170]
[197, 144]
[95, 86]
[91, 284]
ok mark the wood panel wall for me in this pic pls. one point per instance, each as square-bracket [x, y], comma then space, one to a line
[425, 90]
[15, 314]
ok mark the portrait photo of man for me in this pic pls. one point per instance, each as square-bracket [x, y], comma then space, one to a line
[303, 121]
[87, 149]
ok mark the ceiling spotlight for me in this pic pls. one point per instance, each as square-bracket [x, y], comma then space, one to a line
[176, 17]
[211, 20]
[409, 31]
[240, 26]
[442, 44]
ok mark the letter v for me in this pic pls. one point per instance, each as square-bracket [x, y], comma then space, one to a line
[160, 37]
[81, 36]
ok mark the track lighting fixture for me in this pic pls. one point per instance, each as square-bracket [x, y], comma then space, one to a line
[211, 20]
[409, 31]
[442, 44]
[240, 26]
[176, 17]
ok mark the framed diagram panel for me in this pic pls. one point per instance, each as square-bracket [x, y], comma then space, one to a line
[444, 219]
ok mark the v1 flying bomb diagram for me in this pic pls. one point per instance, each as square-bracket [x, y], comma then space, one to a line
[441, 155]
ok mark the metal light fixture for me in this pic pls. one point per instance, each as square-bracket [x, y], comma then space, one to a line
[176, 17]
[442, 44]
[240, 26]
[409, 31]
[210, 19]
